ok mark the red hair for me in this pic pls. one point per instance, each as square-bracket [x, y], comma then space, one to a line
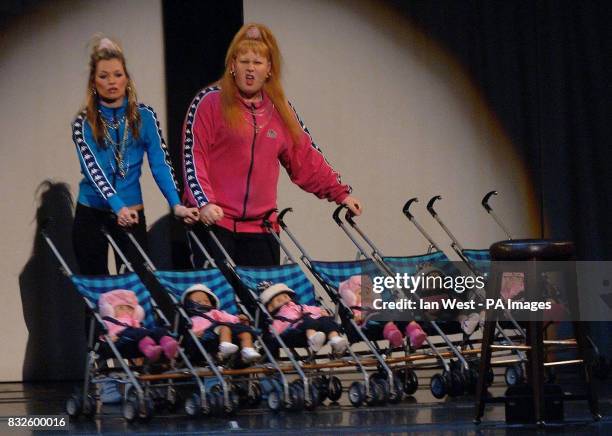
[259, 39]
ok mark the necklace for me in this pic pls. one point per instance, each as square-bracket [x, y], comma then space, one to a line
[258, 118]
[118, 147]
[114, 124]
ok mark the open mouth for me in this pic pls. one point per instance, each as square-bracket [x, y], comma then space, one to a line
[250, 79]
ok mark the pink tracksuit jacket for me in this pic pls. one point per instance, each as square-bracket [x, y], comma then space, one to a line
[238, 170]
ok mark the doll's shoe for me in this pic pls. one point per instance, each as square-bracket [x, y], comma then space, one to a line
[416, 334]
[393, 335]
[150, 349]
[249, 354]
[469, 324]
[338, 344]
[316, 341]
[226, 349]
[169, 346]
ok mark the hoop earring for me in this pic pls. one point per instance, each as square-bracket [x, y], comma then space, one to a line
[233, 73]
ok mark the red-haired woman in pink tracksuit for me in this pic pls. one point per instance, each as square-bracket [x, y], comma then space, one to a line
[236, 135]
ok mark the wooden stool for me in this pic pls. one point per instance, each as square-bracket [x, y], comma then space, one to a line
[531, 251]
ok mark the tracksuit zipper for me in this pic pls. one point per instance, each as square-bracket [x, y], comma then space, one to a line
[248, 184]
[116, 139]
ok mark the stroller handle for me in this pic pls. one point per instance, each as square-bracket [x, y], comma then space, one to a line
[336, 214]
[281, 216]
[266, 219]
[430, 204]
[485, 200]
[406, 208]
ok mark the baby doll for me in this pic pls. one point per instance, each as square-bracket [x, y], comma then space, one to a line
[294, 322]
[123, 316]
[351, 292]
[214, 326]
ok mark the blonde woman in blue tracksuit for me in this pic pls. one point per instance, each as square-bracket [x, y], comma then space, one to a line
[111, 135]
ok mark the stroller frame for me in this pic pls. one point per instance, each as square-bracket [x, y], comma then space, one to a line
[135, 406]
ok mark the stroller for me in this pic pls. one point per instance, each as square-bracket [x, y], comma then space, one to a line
[454, 379]
[147, 386]
[233, 387]
[316, 373]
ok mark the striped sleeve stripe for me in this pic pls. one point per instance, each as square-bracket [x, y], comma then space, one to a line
[316, 147]
[162, 143]
[191, 175]
[92, 167]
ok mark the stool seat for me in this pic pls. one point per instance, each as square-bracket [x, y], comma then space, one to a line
[532, 249]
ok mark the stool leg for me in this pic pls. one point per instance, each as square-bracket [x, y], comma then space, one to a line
[537, 365]
[488, 335]
[582, 342]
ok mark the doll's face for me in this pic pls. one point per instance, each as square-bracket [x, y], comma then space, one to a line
[124, 310]
[278, 301]
[200, 298]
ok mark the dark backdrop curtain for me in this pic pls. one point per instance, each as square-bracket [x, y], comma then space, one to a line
[545, 69]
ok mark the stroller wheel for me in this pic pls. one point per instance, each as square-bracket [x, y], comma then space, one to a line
[322, 385]
[172, 401]
[471, 379]
[146, 411]
[379, 391]
[457, 382]
[130, 409]
[193, 405]
[234, 403]
[254, 394]
[89, 407]
[274, 400]
[410, 381]
[357, 394]
[438, 386]
[315, 397]
[397, 393]
[215, 402]
[296, 397]
[74, 406]
[514, 375]
[334, 389]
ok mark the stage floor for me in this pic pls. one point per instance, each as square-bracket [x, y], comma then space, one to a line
[419, 414]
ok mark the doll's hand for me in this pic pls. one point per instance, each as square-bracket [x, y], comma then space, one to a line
[210, 214]
[324, 312]
[114, 338]
[244, 319]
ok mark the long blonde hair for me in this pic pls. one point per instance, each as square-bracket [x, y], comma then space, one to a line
[259, 39]
[104, 48]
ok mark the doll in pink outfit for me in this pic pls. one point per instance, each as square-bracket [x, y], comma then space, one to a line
[123, 317]
[351, 292]
[218, 328]
[295, 322]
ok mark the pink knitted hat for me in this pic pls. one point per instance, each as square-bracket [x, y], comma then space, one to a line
[109, 300]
